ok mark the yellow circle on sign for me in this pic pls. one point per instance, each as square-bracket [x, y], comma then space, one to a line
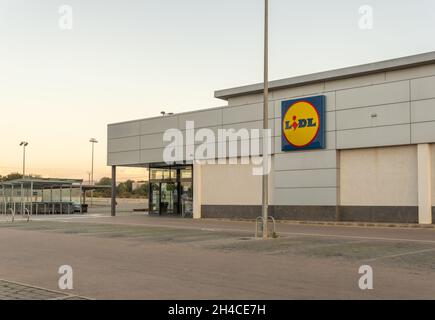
[301, 124]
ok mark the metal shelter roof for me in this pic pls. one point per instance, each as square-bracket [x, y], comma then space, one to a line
[43, 183]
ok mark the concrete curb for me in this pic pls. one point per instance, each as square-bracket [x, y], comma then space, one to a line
[362, 224]
[344, 224]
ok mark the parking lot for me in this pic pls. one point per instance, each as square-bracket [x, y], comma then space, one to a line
[141, 257]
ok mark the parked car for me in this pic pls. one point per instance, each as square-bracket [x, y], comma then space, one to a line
[76, 207]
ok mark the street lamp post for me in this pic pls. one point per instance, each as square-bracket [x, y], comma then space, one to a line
[265, 198]
[93, 141]
[24, 144]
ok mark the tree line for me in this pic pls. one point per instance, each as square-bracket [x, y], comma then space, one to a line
[17, 176]
[124, 189]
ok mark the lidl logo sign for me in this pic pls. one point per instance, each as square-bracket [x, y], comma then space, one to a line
[303, 124]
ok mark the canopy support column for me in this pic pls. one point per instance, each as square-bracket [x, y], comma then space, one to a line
[22, 199]
[80, 197]
[113, 203]
[61, 204]
[4, 199]
[31, 198]
[51, 200]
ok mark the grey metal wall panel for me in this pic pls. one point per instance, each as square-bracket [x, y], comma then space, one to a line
[306, 178]
[331, 140]
[246, 99]
[277, 145]
[157, 125]
[121, 130]
[151, 141]
[411, 73]
[123, 144]
[197, 131]
[152, 155]
[306, 196]
[246, 113]
[277, 127]
[374, 137]
[423, 110]
[349, 83]
[222, 150]
[207, 151]
[251, 126]
[390, 114]
[323, 159]
[236, 148]
[202, 119]
[423, 88]
[245, 125]
[386, 93]
[291, 93]
[331, 121]
[123, 158]
[423, 132]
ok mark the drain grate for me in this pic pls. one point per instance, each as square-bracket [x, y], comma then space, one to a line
[17, 291]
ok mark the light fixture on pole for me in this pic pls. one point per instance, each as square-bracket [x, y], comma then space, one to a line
[93, 141]
[265, 196]
[24, 144]
[164, 113]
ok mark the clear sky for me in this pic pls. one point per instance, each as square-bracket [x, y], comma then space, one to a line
[124, 60]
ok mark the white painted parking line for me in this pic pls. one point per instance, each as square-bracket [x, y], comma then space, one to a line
[400, 254]
[356, 237]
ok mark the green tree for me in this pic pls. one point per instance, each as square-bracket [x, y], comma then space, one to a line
[122, 189]
[105, 182]
[129, 185]
[142, 191]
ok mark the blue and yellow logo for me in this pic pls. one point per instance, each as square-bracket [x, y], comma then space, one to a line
[303, 124]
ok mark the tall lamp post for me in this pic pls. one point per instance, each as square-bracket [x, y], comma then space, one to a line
[24, 144]
[93, 141]
[265, 198]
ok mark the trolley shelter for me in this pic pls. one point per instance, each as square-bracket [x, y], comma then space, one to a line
[41, 196]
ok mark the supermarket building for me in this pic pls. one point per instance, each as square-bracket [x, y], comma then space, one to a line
[368, 152]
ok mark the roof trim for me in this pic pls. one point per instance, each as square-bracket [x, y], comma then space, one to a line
[349, 72]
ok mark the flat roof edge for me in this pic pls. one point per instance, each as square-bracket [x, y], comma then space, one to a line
[337, 74]
[166, 116]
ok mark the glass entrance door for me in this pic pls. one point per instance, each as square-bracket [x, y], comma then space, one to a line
[171, 191]
[168, 198]
[186, 200]
[154, 198]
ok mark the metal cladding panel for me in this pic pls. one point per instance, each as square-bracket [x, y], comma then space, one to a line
[387, 93]
[374, 137]
[306, 196]
[376, 116]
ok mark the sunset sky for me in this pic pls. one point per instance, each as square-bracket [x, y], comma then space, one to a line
[125, 60]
